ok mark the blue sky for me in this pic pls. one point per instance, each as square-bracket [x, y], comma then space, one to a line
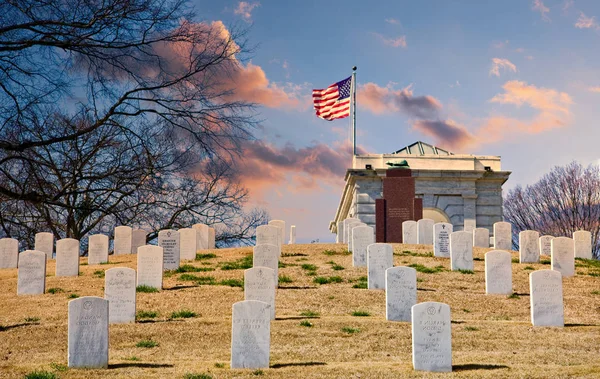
[517, 78]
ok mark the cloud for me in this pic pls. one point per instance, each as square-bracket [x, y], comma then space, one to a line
[265, 165]
[388, 100]
[392, 21]
[498, 63]
[567, 4]
[543, 99]
[244, 9]
[538, 5]
[584, 22]
[500, 44]
[594, 89]
[446, 133]
[393, 42]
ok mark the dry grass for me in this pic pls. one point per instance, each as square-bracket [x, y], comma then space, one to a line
[491, 335]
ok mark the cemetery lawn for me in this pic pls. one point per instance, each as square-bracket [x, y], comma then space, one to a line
[492, 336]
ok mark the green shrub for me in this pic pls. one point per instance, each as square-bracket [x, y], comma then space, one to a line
[320, 280]
[361, 314]
[469, 272]
[73, 296]
[426, 270]
[334, 252]
[146, 314]
[220, 365]
[309, 267]
[337, 267]
[513, 295]
[471, 328]
[528, 268]
[190, 268]
[197, 376]
[41, 375]
[146, 289]
[232, 283]
[99, 273]
[32, 319]
[132, 358]
[285, 279]
[184, 313]
[306, 323]
[310, 314]
[350, 330]
[55, 290]
[200, 257]
[59, 367]
[242, 263]
[147, 344]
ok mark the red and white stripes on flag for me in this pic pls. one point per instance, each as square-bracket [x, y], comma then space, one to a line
[333, 102]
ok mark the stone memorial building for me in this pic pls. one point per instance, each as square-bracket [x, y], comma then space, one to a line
[461, 189]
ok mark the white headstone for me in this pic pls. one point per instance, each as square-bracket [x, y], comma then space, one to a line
[150, 266]
[469, 225]
[32, 273]
[481, 237]
[545, 245]
[562, 257]
[169, 241]
[351, 228]
[119, 290]
[400, 292]
[425, 231]
[250, 334]
[362, 236]
[44, 242]
[292, 234]
[259, 284]
[266, 255]
[498, 273]
[461, 251]
[441, 239]
[138, 238]
[492, 241]
[339, 237]
[202, 233]
[123, 240]
[409, 232]
[281, 225]
[432, 336]
[380, 257]
[211, 238]
[502, 236]
[546, 298]
[9, 253]
[583, 244]
[268, 235]
[97, 249]
[88, 332]
[67, 257]
[348, 229]
[188, 244]
[529, 247]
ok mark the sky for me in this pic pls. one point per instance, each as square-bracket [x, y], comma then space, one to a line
[514, 78]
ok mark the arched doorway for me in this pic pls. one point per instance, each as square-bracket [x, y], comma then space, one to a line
[436, 214]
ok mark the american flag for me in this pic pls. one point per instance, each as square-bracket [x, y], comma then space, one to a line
[334, 101]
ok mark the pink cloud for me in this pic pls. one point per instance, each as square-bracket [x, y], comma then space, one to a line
[544, 99]
[445, 133]
[393, 42]
[538, 5]
[585, 22]
[498, 63]
[388, 100]
[244, 9]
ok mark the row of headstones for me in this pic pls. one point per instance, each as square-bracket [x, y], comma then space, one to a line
[179, 244]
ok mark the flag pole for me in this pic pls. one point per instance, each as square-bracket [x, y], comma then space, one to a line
[354, 111]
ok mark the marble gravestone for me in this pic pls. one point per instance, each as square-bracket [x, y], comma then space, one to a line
[481, 237]
[123, 240]
[150, 266]
[259, 284]
[97, 249]
[562, 257]
[502, 236]
[582, 244]
[267, 255]
[169, 241]
[31, 274]
[498, 273]
[211, 238]
[400, 292]
[119, 290]
[380, 257]
[188, 244]
[67, 257]
[88, 332]
[492, 242]
[351, 229]
[250, 334]
[409, 232]
[340, 232]
[362, 236]
[425, 231]
[545, 245]
[348, 230]
[281, 225]
[9, 253]
[546, 298]
[441, 239]
[138, 238]
[461, 251]
[268, 235]
[432, 336]
[469, 225]
[202, 234]
[529, 248]
[44, 242]
[292, 234]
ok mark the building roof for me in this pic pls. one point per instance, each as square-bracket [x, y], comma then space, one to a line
[422, 148]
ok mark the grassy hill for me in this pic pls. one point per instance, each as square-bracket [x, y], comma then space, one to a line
[328, 325]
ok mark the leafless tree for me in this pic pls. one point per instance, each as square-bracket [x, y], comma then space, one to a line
[119, 112]
[563, 201]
